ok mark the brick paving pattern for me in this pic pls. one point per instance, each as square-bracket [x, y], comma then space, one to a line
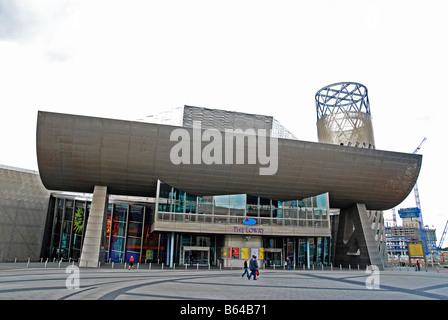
[37, 282]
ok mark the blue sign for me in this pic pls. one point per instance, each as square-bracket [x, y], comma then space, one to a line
[249, 222]
[409, 212]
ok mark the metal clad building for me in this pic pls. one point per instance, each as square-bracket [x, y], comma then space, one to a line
[117, 192]
[23, 213]
[196, 201]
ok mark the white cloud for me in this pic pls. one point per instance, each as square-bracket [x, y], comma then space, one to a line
[129, 59]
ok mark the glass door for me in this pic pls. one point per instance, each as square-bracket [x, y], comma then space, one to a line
[196, 255]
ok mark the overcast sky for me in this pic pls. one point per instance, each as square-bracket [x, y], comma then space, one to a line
[129, 59]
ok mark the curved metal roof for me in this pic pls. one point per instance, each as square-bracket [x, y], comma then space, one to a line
[75, 153]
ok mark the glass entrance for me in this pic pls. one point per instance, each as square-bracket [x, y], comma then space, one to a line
[196, 255]
[273, 257]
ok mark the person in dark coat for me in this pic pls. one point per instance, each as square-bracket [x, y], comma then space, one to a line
[253, 266]
[246, 271]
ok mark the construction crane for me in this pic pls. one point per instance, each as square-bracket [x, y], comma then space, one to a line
[417, 197]
[419, 146]
[442, 238]
[417, 202]
[394, 217]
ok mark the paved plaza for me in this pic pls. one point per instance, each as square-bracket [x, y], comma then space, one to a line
[17, 282]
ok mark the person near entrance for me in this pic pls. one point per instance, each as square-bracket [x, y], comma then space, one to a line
[253, 266]
[131, 263]
[246, 271]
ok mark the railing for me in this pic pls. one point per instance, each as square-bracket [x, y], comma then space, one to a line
[231, 219]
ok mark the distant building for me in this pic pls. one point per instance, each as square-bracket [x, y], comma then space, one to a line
[398, 237]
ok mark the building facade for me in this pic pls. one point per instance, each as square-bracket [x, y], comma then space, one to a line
[214, 187]
[23, 212]
[176, 228]
[217, 212]
[343, 118]
[411, 231]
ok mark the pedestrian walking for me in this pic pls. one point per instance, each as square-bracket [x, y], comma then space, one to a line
[253, 266]
[131, 263]
[246, 271]
[288, 263]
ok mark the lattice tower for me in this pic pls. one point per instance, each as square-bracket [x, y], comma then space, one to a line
[343, 115]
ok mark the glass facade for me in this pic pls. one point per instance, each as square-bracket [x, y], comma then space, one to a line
[68, 218]
[129, 233]
[176, 205]
[127, 230]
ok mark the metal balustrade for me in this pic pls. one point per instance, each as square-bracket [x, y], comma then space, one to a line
[236, 220]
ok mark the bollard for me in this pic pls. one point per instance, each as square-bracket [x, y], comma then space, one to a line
[15, 260]
[112, 264]
[174, 266]
[45, 264]
[349, 267]
[304, 267]
[358, 267]
[186, 266]
[99, 264]
[138, 265]
[209, 266]
[331, 266]
[150, 265]
[197, 266]
[322, 267]
[162, 265]
[28, 264]
[340, 267]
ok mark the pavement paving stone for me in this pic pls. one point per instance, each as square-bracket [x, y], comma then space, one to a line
[34, 283]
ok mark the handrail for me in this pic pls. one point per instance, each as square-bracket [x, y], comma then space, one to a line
[231, 219]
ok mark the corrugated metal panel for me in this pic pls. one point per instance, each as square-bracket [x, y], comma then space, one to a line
[23, 211]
